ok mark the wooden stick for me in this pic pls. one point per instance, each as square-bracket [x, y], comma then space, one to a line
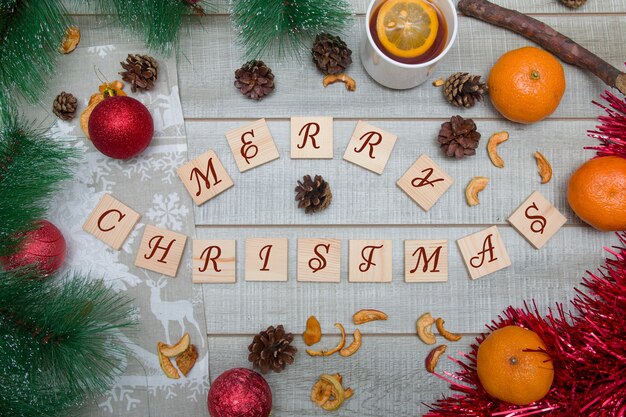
[546, 37]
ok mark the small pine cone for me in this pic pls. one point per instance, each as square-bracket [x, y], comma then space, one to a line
[331, 54]
[463, 90]
[254, 79]
[272, 349]
[64, 106]
[458, 137]
[573, 4]
[313, 195]
[141, 71]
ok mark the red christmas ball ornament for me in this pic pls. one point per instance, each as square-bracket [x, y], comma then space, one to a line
[44, 247]
[240, 392]
[121, 127]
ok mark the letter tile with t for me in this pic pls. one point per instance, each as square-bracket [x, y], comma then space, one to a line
[311, 137]
[160, 250]
[111, 221]
[425, 260]
[267, 259]
[214, 262]
[370, 261]
[204, 177]
[370, 147]
[319, 260]
[484, 252]
[252, 145]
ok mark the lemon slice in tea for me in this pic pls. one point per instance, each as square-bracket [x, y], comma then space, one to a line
[407, 28]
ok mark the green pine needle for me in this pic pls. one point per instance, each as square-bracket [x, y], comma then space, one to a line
[286, 26]
[157, 21]
[57, 342]
[30, 35]
[31, 168]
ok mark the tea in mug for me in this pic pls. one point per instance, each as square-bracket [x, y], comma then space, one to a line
[409, 31]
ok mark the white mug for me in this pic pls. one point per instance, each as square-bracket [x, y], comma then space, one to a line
[397, 75]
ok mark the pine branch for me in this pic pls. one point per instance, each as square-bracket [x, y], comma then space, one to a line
[30, 35]
[285, 26]
[31, 168]
[57, 342]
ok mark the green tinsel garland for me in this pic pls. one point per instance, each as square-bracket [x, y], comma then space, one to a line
[286, 26]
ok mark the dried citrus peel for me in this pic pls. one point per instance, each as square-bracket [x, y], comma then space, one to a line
[320, 393]
[475, 186]
[70, 40]
[544, 167]
[453, 337]
[494, 141]
[313, 332]
[178, 348]
[354, 346]
[424, 329]
[187, 359]
[337, 393]
[165, 363]
[365, 316]
[433, 357]
[334, 350]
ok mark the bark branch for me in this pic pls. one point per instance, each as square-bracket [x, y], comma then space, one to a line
[546, 37]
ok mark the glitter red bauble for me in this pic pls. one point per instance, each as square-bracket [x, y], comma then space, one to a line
[240, 392]
[43, 247]
[121, 127]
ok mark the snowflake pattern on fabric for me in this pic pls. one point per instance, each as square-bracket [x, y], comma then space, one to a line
[168, 212]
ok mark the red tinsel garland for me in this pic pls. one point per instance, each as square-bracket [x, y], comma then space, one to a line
[612, 132]
[587, 346]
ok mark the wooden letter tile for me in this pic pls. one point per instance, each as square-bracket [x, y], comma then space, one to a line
[111, 221]
[252, 145]
[204, 177]
[319, 260]
[266, 259]
[425, 182]
[484, 252]
[425, 260]
[537, 220]
[370, 147]
[311, 137]
[160, 250]
[214, 262]
[370, 261]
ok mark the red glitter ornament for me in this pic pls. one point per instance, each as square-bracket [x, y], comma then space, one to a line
[44, 247]
[240, 392]
[121, 127]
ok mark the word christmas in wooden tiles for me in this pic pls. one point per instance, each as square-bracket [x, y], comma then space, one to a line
[318, 260]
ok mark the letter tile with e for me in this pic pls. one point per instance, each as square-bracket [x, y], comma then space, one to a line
[252, 145]
[319, 260]
[425, 260]
[267, 259]
[214, 261]
[204, 177]
[370, 147]
[111, 221]
[160, 250]
[370, 261]
[311, 137]
[484, 252]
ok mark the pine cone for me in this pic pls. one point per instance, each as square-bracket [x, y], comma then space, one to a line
[313, 195]
[272, 349]
[463, 90]
[64, 106]
[141, 71]
[458, 137]
[573, 4]
[331, 54]
[254, 79]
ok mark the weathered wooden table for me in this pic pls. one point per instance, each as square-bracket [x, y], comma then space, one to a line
[387, 374]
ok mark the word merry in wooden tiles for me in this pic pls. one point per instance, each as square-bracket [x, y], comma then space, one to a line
[252, 145]
[425, 182]
[111, 221]
[160, 250]
[214, 261]
[266, 259]
[204, 177]
[319, 260]
[370, 147]
[370, 261]
[425, 260]
[484, 252]
[537, 220]
[311, 137]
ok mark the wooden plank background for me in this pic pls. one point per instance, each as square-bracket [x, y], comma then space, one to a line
[387, 374]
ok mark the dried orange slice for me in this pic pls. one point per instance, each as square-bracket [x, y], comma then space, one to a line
[407, 28]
